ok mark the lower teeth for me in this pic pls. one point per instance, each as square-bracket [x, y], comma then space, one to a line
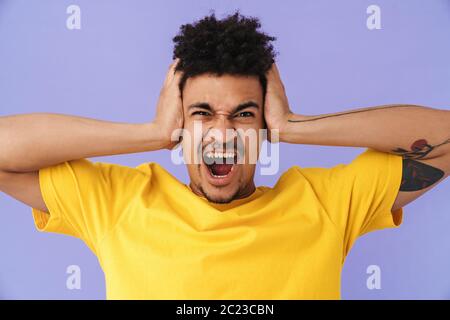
[219, 176]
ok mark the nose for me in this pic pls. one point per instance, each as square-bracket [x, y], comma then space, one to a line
[222, 130]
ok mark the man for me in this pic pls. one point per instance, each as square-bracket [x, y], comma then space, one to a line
[221, 237]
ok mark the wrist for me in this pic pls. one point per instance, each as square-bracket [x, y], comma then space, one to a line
[155, 138]
[293, 130]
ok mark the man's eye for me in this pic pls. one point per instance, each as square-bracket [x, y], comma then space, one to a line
[200, 113]
[245, 114]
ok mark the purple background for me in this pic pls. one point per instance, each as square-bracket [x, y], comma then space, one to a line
[113, 68]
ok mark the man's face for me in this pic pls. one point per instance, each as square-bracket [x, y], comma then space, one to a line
[230, 111]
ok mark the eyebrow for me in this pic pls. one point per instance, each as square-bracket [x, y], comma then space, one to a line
[239, 107]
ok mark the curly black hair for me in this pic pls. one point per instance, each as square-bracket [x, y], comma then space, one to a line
[232, 45]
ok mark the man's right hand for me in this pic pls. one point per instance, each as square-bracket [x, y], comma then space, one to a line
[169, 111]
[29, 142]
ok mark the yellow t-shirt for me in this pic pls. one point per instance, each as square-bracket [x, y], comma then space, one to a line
[156, 239]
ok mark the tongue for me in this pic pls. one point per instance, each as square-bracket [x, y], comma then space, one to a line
[221, 169]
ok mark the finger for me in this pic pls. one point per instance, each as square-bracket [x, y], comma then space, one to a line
[271, 74]
[176, 78]
[174, 85]
[170, 72]
[274, 78]
[176, 62]
[275, 72]
[174, 65]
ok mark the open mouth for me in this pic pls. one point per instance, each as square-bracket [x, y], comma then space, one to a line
[220, 164]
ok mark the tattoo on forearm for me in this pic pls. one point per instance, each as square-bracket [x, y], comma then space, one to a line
[419, 149]
[355, 111]
[417, 175]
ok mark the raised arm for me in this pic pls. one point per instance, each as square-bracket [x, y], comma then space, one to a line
[30, 142]
[421, 135]
[34, 141]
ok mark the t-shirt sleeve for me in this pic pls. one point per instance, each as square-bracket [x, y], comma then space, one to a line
[85, 199]
[358, 197]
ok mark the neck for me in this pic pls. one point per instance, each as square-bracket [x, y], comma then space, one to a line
[241, 194]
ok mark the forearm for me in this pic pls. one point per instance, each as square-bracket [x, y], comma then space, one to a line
[32, 141]
[412, 131]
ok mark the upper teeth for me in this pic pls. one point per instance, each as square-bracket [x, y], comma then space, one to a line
[219, 154]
